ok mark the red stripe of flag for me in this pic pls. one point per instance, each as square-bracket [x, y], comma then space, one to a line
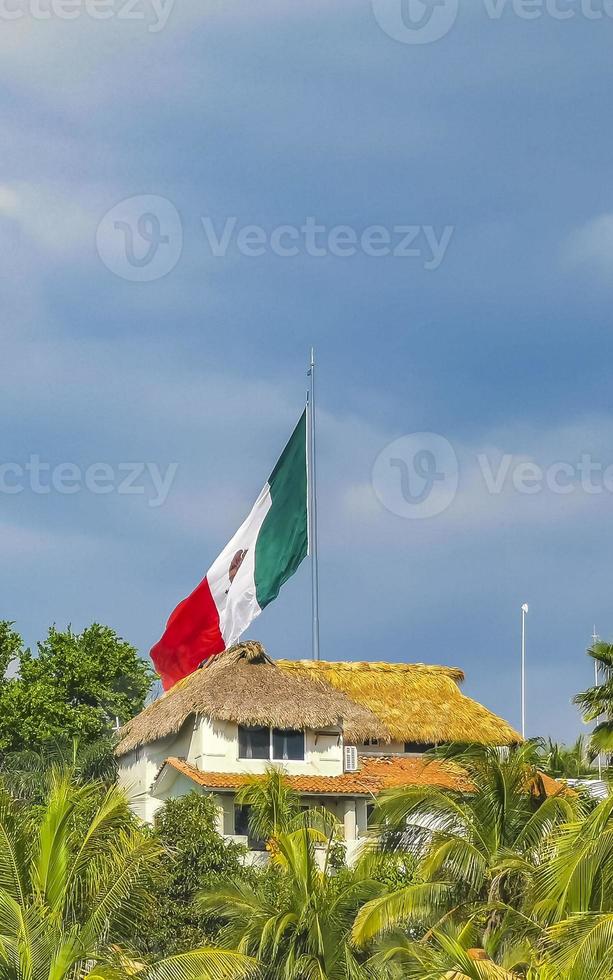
[192, 635]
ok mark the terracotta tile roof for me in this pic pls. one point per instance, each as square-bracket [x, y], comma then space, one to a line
[375, 774]
[554, 786]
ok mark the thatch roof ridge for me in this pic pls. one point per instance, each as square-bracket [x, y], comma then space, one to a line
[243, 685]
[379, 666]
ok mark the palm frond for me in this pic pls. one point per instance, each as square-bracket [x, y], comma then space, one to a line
[418, 901]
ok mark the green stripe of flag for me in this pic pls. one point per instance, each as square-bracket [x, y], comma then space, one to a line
[283, 539]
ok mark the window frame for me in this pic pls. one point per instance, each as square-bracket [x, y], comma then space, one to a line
[248, 729]
[284, 732]
[270, 757]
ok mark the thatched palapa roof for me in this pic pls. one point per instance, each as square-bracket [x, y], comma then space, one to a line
[416, 702]
[245, 686]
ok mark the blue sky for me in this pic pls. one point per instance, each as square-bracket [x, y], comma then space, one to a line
[274, 113]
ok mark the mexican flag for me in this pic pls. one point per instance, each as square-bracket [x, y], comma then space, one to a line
[248, 574]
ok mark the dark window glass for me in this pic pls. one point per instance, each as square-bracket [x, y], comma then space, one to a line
[253, 743]
[370, 809]
[241, 828]
[418, 746]
[241, 820]
[287, 744]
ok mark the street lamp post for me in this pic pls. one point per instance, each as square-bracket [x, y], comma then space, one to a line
[524, 611]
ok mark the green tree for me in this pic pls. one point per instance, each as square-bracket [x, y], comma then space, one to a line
[597, 702]
[11, 645]
[11, 651]
[195, 857]
[74, 884]
[296, 920]
[76, 686]
[447, 955]
[26, 772]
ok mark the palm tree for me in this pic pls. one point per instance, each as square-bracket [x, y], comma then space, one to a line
[449, 955]
[597, 702]
[571, 895]
[566, 762]
[562, 927]
[274, 806]
[73, 884]
[527, 882]
[461, 839]
[298, 928]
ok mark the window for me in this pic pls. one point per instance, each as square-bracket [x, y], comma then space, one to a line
[241, 828]
[253, 743]
[418, 747]
[371, 741]
[241, 820]
[287, 744]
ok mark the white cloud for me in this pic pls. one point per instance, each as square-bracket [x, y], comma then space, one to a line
[591, 245]
[52, 216]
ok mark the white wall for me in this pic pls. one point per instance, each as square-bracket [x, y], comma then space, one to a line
[215, 749]
[138, 769]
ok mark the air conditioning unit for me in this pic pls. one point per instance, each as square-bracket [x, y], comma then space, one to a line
[351, 758]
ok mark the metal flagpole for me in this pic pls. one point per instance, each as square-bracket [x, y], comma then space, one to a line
[313, 509]
[595, 639]
[524, 610]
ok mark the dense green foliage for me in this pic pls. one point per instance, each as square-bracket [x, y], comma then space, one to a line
[75, 887]
[25, 772]
[500, 882]
[301, 928]
[566, 762]
[194, 856]
[76, 686]
[526, 878]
